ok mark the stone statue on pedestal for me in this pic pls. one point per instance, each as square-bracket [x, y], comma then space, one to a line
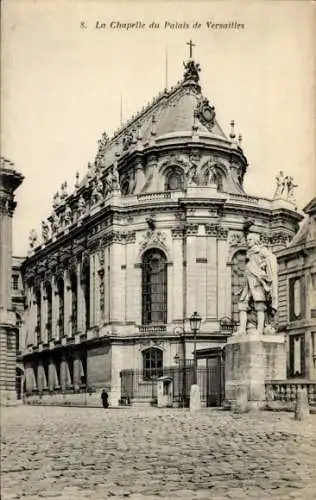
[258, 298]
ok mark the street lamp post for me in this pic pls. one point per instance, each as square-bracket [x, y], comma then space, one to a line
[195, 322]
[195, 401]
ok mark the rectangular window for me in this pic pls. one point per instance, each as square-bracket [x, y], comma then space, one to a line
[296, 298]
[297, 356]
[15, 282]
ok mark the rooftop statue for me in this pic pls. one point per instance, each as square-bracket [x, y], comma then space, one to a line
[55, 223]
[285, 187]
[67, 215]
[81, 206]
[258, 297]
[45, 231]
[191, 70]
[32, 238]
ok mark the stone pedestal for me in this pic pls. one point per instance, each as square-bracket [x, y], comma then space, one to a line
[250, 360]
[195, 400]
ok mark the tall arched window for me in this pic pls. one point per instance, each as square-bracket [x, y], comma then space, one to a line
[152, 363]
[154, 287]
[74, 297]
[60, 288]
[48, 288]
[238, 280]
[38, 314]
[85, 283]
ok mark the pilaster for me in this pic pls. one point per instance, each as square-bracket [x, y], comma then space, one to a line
[80, 302]
[177, 274]
[211, 277]
[55, 309]
[117, 280]
[67, 305]
[130, 310]
[43, 313]
[224, 279]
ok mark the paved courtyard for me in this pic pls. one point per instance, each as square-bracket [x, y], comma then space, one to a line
[75, 453]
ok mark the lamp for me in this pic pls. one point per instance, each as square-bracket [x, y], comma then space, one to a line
[195, 323]
[227, 324]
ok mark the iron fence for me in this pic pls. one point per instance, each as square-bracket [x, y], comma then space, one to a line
[209, 379]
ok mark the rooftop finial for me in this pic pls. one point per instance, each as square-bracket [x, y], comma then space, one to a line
[191, 45]
[77, 180]
[232, 134]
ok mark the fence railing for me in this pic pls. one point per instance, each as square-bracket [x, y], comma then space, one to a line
[283, 395]
[209, 379]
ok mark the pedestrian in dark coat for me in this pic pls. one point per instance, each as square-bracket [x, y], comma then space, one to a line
[104, 398]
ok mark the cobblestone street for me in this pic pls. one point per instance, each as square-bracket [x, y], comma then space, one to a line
[75, 453]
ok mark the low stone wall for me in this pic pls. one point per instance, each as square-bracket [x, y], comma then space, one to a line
[61, 399]
[282, 395]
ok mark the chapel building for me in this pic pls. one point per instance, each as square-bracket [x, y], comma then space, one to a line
[152, 233]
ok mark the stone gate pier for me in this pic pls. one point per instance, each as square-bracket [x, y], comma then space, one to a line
[250, 360]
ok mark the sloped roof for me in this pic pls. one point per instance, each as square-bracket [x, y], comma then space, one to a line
[307, 231]
[171, 112]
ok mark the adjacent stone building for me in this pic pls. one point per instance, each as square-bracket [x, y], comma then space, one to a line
[10, 180]
[297, 293]
[152, 233]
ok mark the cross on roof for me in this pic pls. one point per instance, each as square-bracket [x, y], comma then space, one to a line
[191, 45]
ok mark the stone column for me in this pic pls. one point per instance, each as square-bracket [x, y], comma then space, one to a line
[116, 367]
[93, 290]
[80, 302]
[9, 182]
[64, 372]
[67, 305]
[55, 309]
[77, 370]
[43, 313]
[52, 375]
[40, 376]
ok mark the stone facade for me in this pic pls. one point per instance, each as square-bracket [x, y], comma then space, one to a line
[297, 296]
[10, 180]
[152, 233]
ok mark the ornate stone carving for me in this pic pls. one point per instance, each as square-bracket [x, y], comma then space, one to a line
[64, 191]
[127, 140]
[55, 224]
[236, 239]
[205, 113]
[97, 194]
[284, 187]
[280, 238]
[81, 206]
[102, 145]
[191, 229]
[33, 238]
[178, 232]
[45, 231]
[67, 216]
[191, 71]
[217, 231]
[192, 176]
[153, 238]
[258, 300]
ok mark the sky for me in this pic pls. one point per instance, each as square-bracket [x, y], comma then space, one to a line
[61, 83]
